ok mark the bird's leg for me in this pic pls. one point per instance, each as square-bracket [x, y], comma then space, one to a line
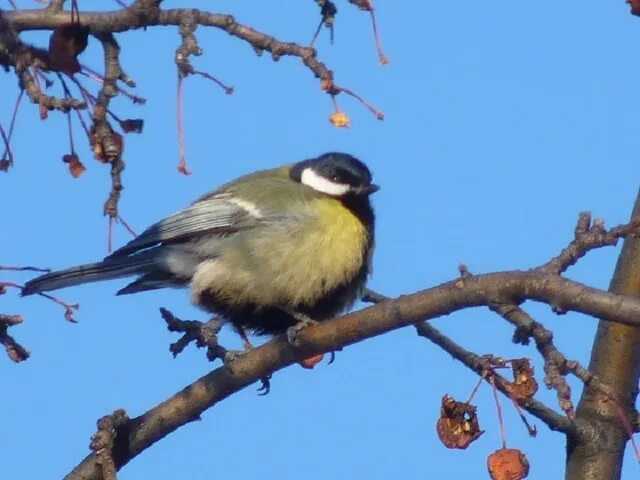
[243, 336]
[266, 381]
[303, 320]
[231, 355]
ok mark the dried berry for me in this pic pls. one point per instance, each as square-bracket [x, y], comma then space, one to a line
[65, 44]
[133, 125]
[340, 119]
[182, 167]
[362, 4]
[524, 385]
[508, 464]
[76, 168]
[458, 424]
[328, 11]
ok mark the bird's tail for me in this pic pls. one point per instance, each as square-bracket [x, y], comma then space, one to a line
[92, 272]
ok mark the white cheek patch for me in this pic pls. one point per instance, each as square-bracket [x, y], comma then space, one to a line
[321, 184]
[247, 206]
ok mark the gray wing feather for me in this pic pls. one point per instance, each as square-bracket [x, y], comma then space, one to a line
[217, 214]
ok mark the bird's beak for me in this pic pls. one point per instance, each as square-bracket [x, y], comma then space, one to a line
[368, 189]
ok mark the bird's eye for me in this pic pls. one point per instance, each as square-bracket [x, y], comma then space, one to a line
[335, 178]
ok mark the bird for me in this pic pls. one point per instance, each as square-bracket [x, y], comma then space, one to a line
[271, 250]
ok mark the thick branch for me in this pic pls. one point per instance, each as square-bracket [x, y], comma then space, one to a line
[332, 335]
[615, 360]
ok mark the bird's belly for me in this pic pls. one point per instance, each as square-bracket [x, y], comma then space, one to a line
[316, 270]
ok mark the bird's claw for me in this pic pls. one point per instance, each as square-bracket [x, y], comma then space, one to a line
[265, 388]
[293, 332]
[230, 356]
[332, 357]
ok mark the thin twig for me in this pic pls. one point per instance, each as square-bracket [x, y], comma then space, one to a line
[379, 115]
[182, 156]
[228, 90]
[69, 308]
[127, 227]
[588, 236]
[7, 145]
[12, 123]
[25, 269]
[503, 434]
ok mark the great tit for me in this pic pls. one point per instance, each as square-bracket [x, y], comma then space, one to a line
[263, 251]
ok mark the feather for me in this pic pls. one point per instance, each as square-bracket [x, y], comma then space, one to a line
[92, 272]
[152, 281]
[219, 214]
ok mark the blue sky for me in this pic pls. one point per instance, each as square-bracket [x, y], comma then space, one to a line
[503, 122]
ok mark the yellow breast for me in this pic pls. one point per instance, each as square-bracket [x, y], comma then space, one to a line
[291, 266]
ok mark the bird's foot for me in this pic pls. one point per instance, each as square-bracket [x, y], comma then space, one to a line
[304, 321]
[228, 357]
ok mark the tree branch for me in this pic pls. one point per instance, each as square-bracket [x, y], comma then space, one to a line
[551, 418]
[555, 363]
[615, 360]
[588, 236]
[107, 144]
[110, 142]
[332, 335]
[142, 15]
[478, 364]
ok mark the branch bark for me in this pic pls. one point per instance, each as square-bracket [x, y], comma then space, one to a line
[615, 360]
[479, 290]
[141, 15]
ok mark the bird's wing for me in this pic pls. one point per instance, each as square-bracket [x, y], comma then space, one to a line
[217, 214]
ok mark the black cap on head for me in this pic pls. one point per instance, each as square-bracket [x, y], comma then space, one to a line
[335, 173]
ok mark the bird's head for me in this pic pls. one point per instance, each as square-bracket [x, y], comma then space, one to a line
[335, 174]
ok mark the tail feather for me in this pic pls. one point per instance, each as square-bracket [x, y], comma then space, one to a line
[92, 272]
[152, 281]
